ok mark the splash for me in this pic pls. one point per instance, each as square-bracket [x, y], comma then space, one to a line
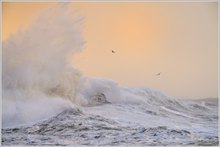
[39, 81]
[37, 77]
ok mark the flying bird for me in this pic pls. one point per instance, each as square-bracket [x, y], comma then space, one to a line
[113, 51]
[158, 74]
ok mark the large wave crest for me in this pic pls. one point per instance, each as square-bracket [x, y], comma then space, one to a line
[38, 79]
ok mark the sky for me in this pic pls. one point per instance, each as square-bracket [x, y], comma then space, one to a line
[180, 40]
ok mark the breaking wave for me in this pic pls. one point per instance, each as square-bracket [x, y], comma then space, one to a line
[39, 82]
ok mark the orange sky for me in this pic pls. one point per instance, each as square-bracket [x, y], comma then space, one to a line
[180, 40]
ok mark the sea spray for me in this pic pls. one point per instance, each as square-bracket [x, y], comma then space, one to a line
[39, 81]
[37, 76]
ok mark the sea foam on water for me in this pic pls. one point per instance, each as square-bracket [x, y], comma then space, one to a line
[39, 82]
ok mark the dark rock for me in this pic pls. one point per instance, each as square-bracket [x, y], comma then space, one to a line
[98, 136]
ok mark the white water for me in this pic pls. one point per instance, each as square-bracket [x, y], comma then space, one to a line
[37, 78]
[39, 82]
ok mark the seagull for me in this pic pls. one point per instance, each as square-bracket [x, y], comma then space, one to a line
[113, 51]
[158, 74]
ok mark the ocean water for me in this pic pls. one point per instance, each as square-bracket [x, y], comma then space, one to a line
[47, 101]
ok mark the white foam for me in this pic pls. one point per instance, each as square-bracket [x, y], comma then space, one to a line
[29, 111]
[37, 76]
[39, 81]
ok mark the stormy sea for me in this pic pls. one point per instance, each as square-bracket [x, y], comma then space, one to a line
[48, 101]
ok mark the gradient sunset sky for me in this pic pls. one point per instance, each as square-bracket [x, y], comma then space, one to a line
[180, 40]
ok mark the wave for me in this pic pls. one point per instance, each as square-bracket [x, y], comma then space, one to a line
[39, 81]
[76, 128]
